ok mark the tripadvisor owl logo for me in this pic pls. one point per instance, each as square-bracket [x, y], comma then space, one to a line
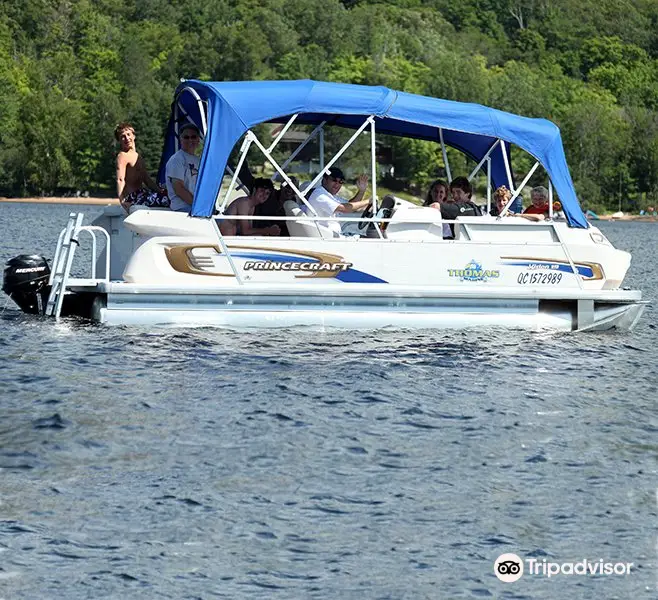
[508, 567]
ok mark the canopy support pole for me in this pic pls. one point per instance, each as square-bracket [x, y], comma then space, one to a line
[202, 112]
[249, 138]
[445, 156]
[519, 189]
[282, 132]
[507, 168]
[488, 184]
[550, 199]
[568, 255]
[485, 158]
[283, 174]
[239, 183]
[222, 243]
[349, 142]
[319, 129]
[373, 166]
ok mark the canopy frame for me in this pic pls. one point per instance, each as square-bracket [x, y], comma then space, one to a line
[235, 107]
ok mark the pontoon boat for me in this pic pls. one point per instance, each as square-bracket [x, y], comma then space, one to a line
[162, 267]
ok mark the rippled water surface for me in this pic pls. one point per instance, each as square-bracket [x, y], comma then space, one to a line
[203, 463]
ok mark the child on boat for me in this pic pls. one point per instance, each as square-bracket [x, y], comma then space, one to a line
[134, 184]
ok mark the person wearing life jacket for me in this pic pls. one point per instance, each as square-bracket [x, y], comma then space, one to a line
[459, 204]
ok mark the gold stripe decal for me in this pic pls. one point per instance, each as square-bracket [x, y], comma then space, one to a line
[564, 266]
[320, 265]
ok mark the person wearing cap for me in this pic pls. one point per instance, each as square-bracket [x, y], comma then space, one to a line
[326, 202]
[183, 168]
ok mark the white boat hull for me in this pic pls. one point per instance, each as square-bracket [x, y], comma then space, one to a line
[360, 308]
[176, 271]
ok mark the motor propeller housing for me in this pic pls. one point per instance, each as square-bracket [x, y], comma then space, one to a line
[25, 281]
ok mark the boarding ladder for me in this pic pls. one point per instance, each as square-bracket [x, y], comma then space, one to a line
[63, 260]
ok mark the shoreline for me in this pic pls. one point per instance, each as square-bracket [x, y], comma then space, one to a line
[63, 200]
[642, 218]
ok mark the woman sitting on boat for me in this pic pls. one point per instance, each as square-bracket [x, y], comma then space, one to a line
[438, 193]
[539, 198]
[457, 204]
[134, 184]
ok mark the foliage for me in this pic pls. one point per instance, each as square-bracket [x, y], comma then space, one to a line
[70, 70]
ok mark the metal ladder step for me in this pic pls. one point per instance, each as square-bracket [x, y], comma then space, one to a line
[62, 263]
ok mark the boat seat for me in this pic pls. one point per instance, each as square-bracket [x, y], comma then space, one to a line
[136, 207]
[302, 227]
[415, 223]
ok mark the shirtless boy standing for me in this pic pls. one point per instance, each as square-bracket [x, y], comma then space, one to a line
[134, 184]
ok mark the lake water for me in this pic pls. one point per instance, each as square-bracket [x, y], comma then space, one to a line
[203, 463]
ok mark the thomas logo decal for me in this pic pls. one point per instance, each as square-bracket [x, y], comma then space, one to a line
[473, 271]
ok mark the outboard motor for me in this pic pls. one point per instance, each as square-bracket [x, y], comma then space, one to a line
[26, 282]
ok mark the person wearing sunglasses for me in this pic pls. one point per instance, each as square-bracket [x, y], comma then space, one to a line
[327, 203]
[183, 168]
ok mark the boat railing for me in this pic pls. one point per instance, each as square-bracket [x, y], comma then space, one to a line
[409, 219]
[91, 230]
[436, 220]
[60, 276]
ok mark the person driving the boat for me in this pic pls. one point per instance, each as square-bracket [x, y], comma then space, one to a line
[327, 203]
[182, 169]
[539, 198]
[134, 184]
[245, 207]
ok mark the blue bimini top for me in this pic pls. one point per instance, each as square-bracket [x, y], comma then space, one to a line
[231, 108]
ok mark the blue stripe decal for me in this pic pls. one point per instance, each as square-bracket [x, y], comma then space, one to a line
[349, 276]
[355, 276]
[553, 266]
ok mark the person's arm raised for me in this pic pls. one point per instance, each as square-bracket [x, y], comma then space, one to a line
[356, 203]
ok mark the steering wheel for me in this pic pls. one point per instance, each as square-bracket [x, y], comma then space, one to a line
[366, 214]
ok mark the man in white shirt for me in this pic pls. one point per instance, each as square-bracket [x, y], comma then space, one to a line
[182, 170]
[327, 203]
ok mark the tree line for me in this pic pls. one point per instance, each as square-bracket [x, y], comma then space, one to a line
[71, 69]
